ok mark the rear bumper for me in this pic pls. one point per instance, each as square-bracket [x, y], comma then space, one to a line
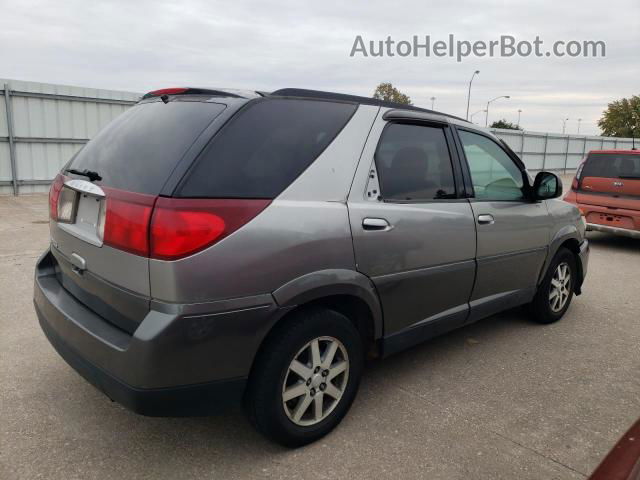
[616, 231]
[199, 399]
[181, 360]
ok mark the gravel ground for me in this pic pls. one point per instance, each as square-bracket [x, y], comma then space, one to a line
[503, 398]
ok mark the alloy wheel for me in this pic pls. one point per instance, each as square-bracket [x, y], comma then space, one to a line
[315, 381]
[560, 290]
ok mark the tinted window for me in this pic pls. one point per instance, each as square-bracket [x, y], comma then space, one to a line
[612, 165]
[139, 149]
[264, 148]
[413, 163]
[493, 174]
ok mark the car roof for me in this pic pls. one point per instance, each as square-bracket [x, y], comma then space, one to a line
[293, 93]
[323, 95]
[632, 152]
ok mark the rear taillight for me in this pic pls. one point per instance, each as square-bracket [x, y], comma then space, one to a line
[126, 220]
[170, 228]
[576, 180]
[54, 194]
[182, 227]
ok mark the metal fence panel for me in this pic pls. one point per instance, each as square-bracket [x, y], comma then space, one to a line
[49, 124]
[555, 151]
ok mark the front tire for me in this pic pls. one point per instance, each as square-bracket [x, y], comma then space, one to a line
[555, 293]
[305, 377]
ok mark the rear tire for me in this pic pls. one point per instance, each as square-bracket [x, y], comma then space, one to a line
[305, 377]
[555, 293]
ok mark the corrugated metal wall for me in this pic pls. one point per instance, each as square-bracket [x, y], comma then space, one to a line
[554, 151]
[50, 123]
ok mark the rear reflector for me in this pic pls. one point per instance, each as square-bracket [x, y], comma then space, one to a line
[182, 227]
[126, 222]
[54, 194]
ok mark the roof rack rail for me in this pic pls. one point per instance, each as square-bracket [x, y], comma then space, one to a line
[319, 94]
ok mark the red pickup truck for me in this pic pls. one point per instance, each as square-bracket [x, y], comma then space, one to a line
[606, 189]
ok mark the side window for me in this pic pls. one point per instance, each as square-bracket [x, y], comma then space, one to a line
[413, 163]
[493, 174]
[265, 147]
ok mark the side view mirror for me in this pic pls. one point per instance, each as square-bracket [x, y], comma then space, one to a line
[547, 185]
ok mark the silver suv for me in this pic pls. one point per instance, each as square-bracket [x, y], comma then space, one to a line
[213, 246]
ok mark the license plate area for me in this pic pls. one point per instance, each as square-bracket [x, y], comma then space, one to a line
[79, 211]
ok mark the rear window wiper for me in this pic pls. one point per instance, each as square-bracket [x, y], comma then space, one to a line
[90, 174]
[637, 177]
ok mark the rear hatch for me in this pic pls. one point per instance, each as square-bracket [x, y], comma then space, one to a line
[611, 180]
[102, 202]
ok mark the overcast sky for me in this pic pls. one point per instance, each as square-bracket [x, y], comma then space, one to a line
[142, 45]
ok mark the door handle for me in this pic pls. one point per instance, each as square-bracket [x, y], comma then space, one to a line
[486, 219]
[376, 224]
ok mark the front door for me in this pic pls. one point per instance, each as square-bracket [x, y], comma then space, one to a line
[413, 232]
[513, 232]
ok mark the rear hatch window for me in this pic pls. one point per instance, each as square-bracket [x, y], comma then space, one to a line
[138, 151]
[612, 165]
[264, 148]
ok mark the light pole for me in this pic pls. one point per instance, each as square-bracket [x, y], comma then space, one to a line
[475, 113]
[486, 118]
[469, 92]
[519, 112]
[564, 124]
[579, 120]
[433, 100]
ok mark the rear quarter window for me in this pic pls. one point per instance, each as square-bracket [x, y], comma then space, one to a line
[264, 148]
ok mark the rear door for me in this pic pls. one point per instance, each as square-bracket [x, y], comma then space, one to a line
[413, 232]
[513, 232]
[119, 174]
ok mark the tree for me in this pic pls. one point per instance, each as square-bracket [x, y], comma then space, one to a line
[504, 124]
[621, 118]
[386, 91]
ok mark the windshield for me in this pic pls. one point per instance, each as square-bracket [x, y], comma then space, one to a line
[139, 149]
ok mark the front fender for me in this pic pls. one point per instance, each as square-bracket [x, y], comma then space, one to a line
[568, 232]
[324, 283]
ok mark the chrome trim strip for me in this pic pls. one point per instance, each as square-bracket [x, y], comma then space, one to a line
[85, 187]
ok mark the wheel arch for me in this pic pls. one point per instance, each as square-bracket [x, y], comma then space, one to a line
[345, 291]
[567, 237]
